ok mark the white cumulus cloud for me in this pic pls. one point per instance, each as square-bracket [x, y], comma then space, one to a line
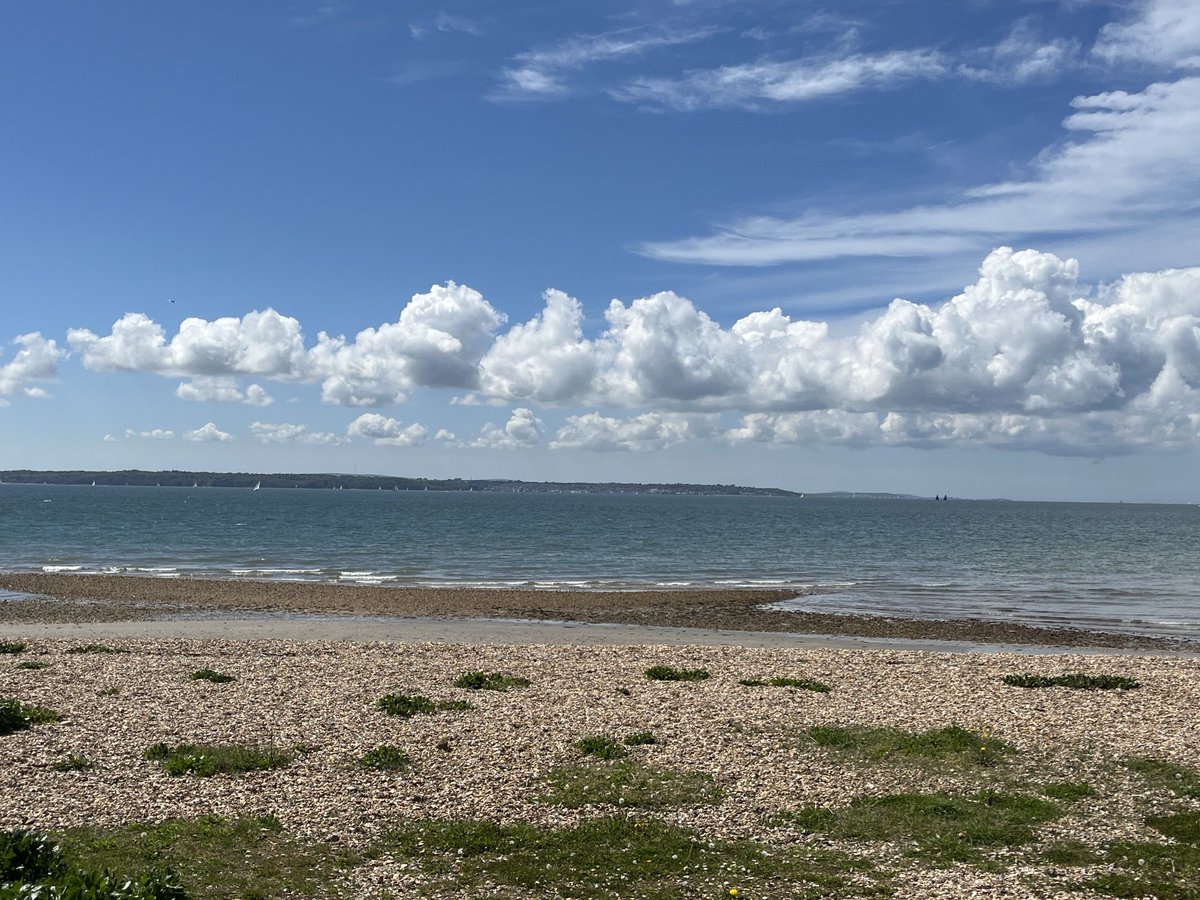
[523, 429]
[206, 433]
[284, 433]
[36, 361]
[222, 389]
[1159, 31]
[648, 431]
[386, 431]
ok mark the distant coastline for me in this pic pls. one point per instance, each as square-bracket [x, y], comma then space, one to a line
[330, 481]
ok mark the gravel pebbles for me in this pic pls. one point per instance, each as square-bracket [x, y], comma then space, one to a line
[490, 761]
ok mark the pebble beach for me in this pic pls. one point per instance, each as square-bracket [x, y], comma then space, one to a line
[492, 761]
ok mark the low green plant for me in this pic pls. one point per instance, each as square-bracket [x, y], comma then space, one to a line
[640, 739]
[601, 746]
[408, 705]
[33, 664]
[96, 648]
[620, 856]
[626, 783]
[940, 828]
[1068, 790]
[11, 647]
[384, 758]
[73, 763]
[1149, 869]
[33, 866]
[950, 743]
[752, 682]
[17, 716]
[1183, 826]
[1074, 680]
[808, 684]
[211, 675]
[669, 673]
[1163, 774]
[489, 681]
[252, 858]
[205, 760]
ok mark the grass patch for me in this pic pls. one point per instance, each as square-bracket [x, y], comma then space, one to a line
[1068, 790]
[384, 758]
[1166, 775]
[1075, 680]
[952, 743]
[942, 829]
[807, 684]
[627, 783]
[17, 716]
[33, 664]
[640, 739]
[1071, 853]
[1184, 826]
[11, 647]
[490, 681]
[73, 763]
[206, 760]
[96, 648]
[601, 746]
[213, 857]
[211, 675]
[32, 865]
[621, 857]
[1148, 869]
[408, 705]
[669, 673]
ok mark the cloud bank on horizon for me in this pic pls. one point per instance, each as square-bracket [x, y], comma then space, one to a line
[1027, 357]
[1037, 353]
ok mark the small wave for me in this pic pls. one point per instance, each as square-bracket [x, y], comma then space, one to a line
[62, 568]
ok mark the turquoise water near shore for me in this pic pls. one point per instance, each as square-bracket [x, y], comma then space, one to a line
[1128, 567]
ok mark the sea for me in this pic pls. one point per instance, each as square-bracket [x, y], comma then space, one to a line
[1131, 568]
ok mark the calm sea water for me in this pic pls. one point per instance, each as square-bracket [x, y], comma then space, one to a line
[1128, 567]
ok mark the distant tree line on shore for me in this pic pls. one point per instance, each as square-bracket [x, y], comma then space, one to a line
[176, 478]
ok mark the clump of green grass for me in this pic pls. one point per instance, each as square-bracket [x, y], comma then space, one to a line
[621, 857]
[626, 783]
[73, 763]
[942, 829]
[669, 673]
[1068, 790]
[33, 664]
[33, 866]
[1166, 775]
[206, 760]
[1149, 869]
[11, 647]
[601, 746]
[808, 684]
[17, 716]
[211, 675]
[252, 858]
[1074, 680]
[640, 739]
[490, 681]
[384, 758]
[96, 648]
[951, 743]
[408, 705]
[1183, 827]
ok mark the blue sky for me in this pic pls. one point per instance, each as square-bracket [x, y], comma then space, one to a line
[635, 241]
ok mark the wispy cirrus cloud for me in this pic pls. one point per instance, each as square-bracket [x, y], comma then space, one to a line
[545, 73]
[1166, 32]
[768, 82]
[1131, 164]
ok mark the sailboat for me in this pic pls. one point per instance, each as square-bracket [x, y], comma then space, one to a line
[257, 486]
[93, 482]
